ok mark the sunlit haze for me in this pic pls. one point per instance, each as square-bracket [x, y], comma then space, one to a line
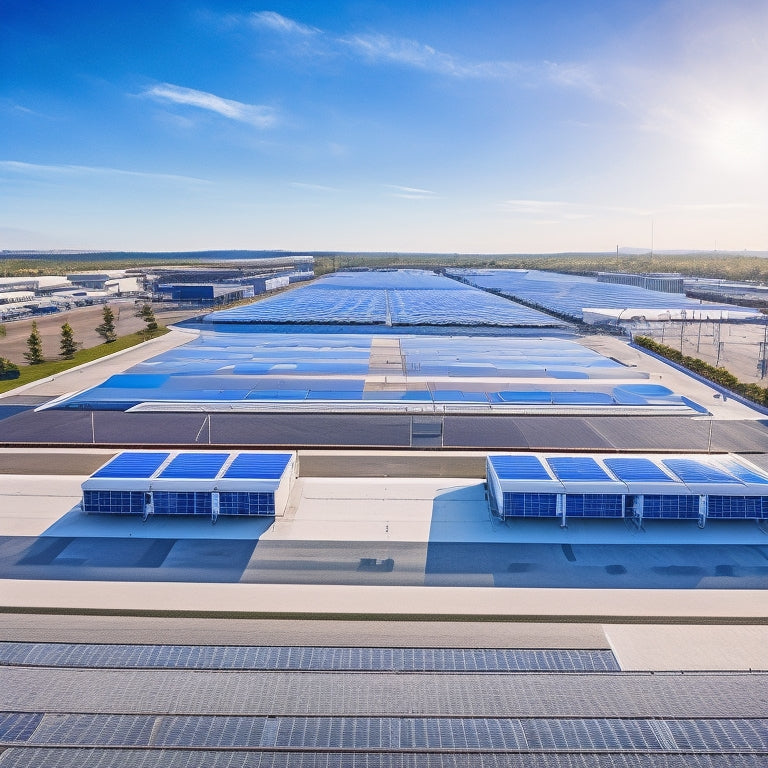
[498, 126]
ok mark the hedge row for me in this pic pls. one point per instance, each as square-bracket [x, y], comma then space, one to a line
[721, 376]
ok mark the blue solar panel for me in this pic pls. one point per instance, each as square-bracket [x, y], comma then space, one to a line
[637, 469]
[744, 474]
[195, 466]
[135, 380]
[581, 398]
[577, 468]
[523, 467]
[692, 471]
[523, 397]
[133, 464]
[258, 466]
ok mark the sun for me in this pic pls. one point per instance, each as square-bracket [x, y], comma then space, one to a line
[735, 139]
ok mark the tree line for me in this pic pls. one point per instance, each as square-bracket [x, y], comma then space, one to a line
[716, 374]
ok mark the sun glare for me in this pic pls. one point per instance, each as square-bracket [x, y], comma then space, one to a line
[735, 140]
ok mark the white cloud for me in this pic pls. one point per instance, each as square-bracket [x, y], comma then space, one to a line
[19, 168]
[411, 193]
[313, 187]
[278, 23]
[254, 114]
[376, 48]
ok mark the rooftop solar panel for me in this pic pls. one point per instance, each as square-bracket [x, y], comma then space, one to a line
[137, 380]
[195, 466]
[579, 468]
[745, 474]
[637, 469]
[258, 466]
[523, 467]
[693, 471]
[132, 464]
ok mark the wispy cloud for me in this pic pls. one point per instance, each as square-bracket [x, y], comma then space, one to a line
[19, 168]
[313, 187]
[279, 23]
[257, 115]
[411, 193]
[376, 48]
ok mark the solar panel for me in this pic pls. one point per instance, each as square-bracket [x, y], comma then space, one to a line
[105, 656]
[522, 467]
[195, 466]
[18, 726]
[745, 474]
[258, 466]
[637, 470]
[693, 471]
[135, 380]
[578, 468]
[581, 398]
[133, 464]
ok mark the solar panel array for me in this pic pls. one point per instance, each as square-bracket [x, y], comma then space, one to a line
[417, 733]
[305, 658]
[671, 486]
[194, 465]
[572, 294]
[186, 483]
[393, 297]
[277, 369]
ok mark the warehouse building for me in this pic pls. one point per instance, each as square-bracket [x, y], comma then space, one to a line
[191, 483]
[202, 295]
[637, 487]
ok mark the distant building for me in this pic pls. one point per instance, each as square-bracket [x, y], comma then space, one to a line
[201, 294]
[16, 297]
[45, 284]
[664, 282]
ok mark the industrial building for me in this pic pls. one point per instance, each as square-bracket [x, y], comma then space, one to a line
[638, 487]
[203, 295]
[657, 281]
[200, 483]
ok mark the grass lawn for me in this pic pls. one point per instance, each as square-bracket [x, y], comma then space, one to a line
[30, 373]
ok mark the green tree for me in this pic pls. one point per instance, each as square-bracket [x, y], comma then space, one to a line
[68, 345]
[2, 330]
[107, 328]
[34, 353]
[8, 370]
[148, 316]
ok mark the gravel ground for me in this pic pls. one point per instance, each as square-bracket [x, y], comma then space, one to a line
[83, 321]
[737, 347]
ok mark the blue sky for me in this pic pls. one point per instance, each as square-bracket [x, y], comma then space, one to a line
[495, 126]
